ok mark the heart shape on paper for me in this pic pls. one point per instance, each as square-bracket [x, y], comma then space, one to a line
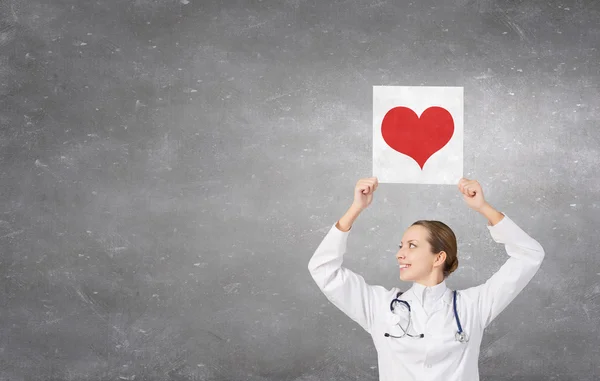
[418, 138]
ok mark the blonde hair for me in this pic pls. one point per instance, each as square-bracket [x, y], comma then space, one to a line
[442, 238]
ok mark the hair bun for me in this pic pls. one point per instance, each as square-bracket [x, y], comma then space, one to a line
[454, 265]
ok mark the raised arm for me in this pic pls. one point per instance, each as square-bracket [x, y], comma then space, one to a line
[347, 290]
[525, 258]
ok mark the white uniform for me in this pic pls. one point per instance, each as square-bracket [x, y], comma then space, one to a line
[436, 356]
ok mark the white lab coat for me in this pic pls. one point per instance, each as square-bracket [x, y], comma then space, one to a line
[436, 356]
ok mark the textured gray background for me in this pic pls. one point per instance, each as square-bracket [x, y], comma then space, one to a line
[169, 167]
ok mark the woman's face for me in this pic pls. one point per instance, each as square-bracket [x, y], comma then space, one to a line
[415, 251]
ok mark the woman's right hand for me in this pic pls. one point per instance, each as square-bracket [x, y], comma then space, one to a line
[363, 192]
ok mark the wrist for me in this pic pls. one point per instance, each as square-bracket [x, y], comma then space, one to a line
[355, 208]
[484, 208]
[491, 214]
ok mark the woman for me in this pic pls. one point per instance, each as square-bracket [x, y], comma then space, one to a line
[422, 337]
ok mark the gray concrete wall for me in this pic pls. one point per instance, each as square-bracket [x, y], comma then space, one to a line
[168, 167]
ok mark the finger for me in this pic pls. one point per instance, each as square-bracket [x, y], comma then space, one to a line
[469, 189]
[373, 183]
[475, 187]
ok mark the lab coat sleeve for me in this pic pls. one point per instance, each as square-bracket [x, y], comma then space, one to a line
[345, 289]
[525, 258]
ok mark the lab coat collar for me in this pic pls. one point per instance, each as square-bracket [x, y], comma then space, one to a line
[411, 296]
[435, 292]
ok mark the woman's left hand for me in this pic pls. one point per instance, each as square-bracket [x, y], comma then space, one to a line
[472, 193]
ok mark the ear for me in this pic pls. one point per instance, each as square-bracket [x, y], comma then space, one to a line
[440, 259]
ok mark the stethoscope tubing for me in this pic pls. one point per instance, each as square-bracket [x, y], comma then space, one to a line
[460, 335]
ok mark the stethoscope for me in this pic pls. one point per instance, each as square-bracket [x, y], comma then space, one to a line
[460, 335]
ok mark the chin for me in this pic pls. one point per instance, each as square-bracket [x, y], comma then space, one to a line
[409, 277]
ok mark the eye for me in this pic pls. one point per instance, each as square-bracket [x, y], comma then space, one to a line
[411, 244]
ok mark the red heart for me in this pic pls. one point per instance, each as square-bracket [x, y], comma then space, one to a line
[416, 137]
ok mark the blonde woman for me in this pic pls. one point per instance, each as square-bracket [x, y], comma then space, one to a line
[428, 332]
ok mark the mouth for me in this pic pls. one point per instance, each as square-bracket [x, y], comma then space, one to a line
[404, 266]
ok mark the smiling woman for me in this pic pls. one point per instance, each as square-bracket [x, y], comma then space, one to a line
[430, 250]
[428, 332]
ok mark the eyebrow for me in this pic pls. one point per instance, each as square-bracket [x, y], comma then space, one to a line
[410, 240]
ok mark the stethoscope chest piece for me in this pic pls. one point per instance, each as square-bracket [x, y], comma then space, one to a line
[461, 337]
